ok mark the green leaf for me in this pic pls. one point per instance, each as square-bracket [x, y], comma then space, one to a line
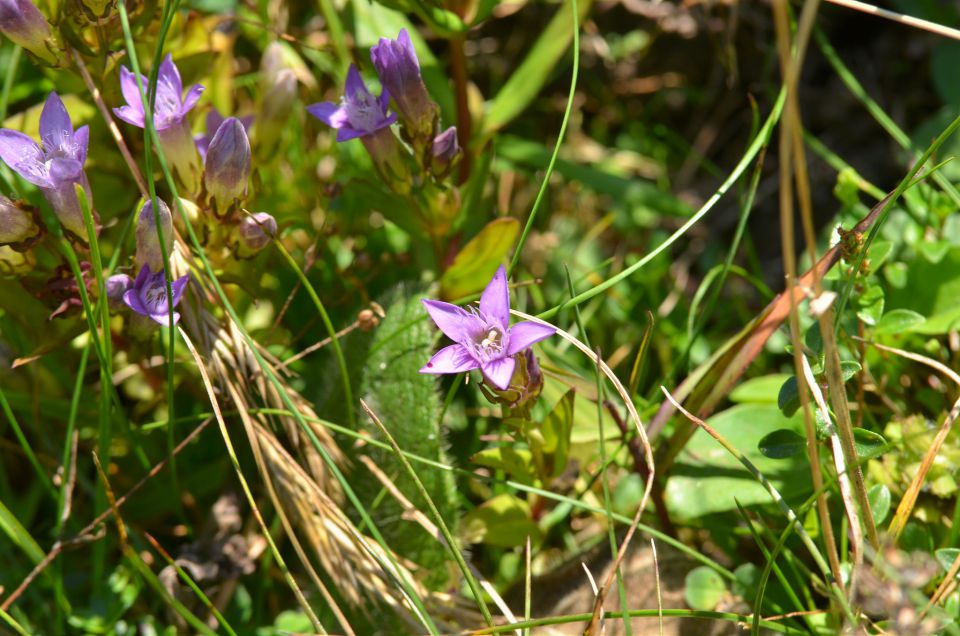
[503, 521]
[550, 441]
[517, 463]
[476, 263]
[788, 400]
[747, 580]
[704, 588]
[879, 498]
[782, 443]
[761, 390]
[849, 368]
[535, 70]
[898, 321]
[870, 305]
[813, 339]
[707, 479]
[627, 494]
[878, 253]
[868, 443]
[946, 557]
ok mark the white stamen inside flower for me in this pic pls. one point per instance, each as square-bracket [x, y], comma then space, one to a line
[363, 111]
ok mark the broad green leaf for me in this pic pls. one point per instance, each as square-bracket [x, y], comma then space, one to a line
[627, 494]
[704, 588]
[535, 70]
[476, 263]
[868, 443]
[747, 580]
[707, 478]
[849, 368]
[782, 443]
[930, 289]
[788, 400]
[899, 321]
[870, 305]
[503, 521]
[946, 557]
[761, 390]
[517, 463]
[879, 498]
[878, 253]
[18, 535]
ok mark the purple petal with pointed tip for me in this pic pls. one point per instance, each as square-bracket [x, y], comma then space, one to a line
[329, 113]
[130, 90]
[495, 301]
[169, 76]
[56, 129]
[524, 334]
[456, 323]
[191, 99]
[452, 359]
[24, 157]
[499, 372]
[354, 83]
[81, 140]
[131, 298]
[130, 114]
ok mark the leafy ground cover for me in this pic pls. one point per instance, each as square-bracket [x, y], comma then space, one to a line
[478, 317]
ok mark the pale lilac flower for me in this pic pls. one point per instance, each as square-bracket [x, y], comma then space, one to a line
[23, 23]
[359, 113]
[483, 336]
[226, 169]
[117, 285]
[148, 296]
[149, 251]
[214, 119]
[54, 165]
[169, 116]
[399, 71]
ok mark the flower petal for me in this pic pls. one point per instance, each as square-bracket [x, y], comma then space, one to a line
[178, 286]
[142, 276]
[329, 113]
[354, 83]
[347, 133]
[64, 170]
[191, 99]
[499, 372]
[168, 78]
[495, 301]
[164, 318]
[56, 129]
[24, 157]
[453, 359]
[81, 140]
[456, 323]
[131, 115]
[130, 90]
[132, 300]
[524, 334]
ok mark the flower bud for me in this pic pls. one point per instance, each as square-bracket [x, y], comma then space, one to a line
[23, 23]
[399, 71]
[275, 111]
[446, 152]
[18, 226]
[227, 168]
[117, 285]
[525, 385]
[149, 251]
[256, 231]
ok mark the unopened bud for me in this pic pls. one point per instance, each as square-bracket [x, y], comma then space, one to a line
[23, 23]
[275, 112]
[256, 231]
[149, 251]
[18, 226]
[227, 167]
[446, 152]
[117, 285]
[399, 71]
[369, 319]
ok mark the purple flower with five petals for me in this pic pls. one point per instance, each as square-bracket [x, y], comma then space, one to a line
[55, 164]
[169, 113]
[148, 296]
[170, 106]
[359, 113]
[483, 336]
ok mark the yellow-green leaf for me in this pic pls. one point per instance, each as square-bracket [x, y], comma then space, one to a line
[474, 266]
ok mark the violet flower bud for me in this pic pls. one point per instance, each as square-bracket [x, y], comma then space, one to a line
[55, 165]
[446, 152]
[117, 285]
[149, 252]
[169, 116]
[256, 231]
[18, 226]
[214, 119]
[23, 23]
[399, 71]
[227, 167]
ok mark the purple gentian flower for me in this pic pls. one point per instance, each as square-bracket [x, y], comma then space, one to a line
[55, 164]
[359, 113]
[226, 169]
[148, 296]
[399, 71]
[169, 113]
[214, 119]
[149, 251]
[482, 336]
[23, 23]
